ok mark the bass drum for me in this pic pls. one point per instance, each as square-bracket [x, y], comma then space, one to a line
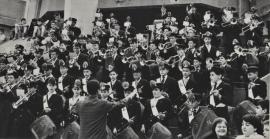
[127, 133]
[158, 131]
[71, 131]
[201, 125]
[43, 127]
[245, 107]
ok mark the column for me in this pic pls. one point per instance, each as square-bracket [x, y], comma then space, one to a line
[243, 6]
[84, 11]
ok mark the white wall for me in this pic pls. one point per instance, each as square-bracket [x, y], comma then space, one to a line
[133, 3]
[11, 11]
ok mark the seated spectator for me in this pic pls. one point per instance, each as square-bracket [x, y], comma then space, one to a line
[220, 129]
[21, 29]
[251, 128]
[2, 36]
[39, 29]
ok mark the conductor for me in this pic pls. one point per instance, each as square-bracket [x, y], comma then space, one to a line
[93, 113]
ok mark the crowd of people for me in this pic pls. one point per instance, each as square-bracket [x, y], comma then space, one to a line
[176, 79]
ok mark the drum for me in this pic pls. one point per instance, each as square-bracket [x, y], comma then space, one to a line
[201, 125]
[245, 107]
[43, 127]
[71, 131]
[127, 133]
[158, 131]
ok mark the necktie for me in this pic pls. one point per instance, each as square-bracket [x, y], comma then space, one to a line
[215, 86]
[162, 79]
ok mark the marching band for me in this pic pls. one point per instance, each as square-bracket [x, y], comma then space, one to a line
[180, 75]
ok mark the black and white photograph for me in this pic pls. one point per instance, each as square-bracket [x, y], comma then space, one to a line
[134, 69]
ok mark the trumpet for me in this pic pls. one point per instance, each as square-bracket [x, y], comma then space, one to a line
[128, 59]
[252, 26]
[162, 46]
[232, 22]
[24, 99]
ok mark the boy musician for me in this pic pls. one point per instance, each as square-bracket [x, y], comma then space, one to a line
[157, 110]
[187, 83]
[141, 85]
[220, 93]
[256, 87]
[53, 103]
[65, 81]
[87, 76]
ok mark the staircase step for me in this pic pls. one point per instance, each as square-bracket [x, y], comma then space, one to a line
[8, 46]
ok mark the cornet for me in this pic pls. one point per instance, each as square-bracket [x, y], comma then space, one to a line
[22, 100]
[162, 46]
[252, 26]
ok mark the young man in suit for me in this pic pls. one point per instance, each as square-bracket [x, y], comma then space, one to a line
[158, 109]
[80, 57]
[220, 94]
[141, 85]
[169, 84]
[187, 83]
[115, 86]
[87, 76]
[55, 62]
[256, 87]
[53, 103]
[65, 81]
[208, 50]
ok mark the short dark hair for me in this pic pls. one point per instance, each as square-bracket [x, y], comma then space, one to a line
[254, 121]
[52, 81]
[264, 104]
[23, 19]
[93, 87]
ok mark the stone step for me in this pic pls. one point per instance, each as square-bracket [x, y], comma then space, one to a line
[8, 46]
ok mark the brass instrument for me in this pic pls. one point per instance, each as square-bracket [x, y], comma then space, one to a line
[128, 59]
[252, 26]
[162, 46]
[24, 99]
[210, 23]
[233, 21]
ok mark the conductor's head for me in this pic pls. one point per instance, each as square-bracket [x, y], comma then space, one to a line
[92, 87]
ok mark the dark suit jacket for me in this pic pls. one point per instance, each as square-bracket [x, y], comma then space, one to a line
[117, 87]
[205, 53]
[82, 58]
[56, 69]
[68, 81]
[55, 103]
[225, 92]
[170, 86]
[163, 105]
[146, 89]
[192, 84]
[260, 89]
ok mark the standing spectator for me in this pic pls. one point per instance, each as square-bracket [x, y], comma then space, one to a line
[21, 29]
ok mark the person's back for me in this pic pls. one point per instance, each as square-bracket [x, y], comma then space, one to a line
[93, 118]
